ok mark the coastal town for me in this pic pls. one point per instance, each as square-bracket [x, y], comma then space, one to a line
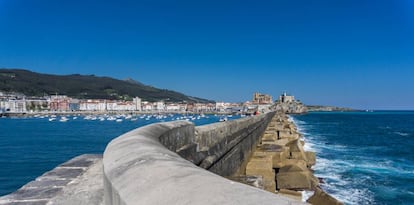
[17, 103]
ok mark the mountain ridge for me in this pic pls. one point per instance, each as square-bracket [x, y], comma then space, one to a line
[86, 87]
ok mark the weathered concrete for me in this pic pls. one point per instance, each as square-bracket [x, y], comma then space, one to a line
[139, 169]
[321, 197]
[228, 145]
[78, 180]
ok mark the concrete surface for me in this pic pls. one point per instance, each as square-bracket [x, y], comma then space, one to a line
[79, 178]
[138, 169]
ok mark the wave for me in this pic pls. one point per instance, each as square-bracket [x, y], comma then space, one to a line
[361, 171]
[347, 190]
[404, 134]
[350, 195]
[331, 171]
[296, 121]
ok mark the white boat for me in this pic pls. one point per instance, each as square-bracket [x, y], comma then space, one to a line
[63, 119]
[118, 120]
[223, 119]
[111, 118]
[52, 119]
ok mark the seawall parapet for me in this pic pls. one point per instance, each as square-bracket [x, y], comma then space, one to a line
[139, 169]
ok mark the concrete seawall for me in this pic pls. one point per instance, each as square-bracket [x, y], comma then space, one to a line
[139, 169]
[166, 163]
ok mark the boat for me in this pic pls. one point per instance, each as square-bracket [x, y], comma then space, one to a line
[63, 119]
[223, 119]
[111, 118]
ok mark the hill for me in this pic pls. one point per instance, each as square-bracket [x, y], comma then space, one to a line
[85, 86]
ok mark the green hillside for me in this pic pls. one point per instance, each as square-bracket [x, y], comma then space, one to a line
[85, 86]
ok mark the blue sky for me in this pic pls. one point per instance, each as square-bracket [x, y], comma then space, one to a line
[352, 53]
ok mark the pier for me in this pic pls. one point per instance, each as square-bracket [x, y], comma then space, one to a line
[254, 160]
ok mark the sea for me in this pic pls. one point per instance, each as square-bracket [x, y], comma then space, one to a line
[33, 145]
[362, 157]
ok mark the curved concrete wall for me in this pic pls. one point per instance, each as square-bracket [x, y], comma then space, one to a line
[229, 144]
[140, 168]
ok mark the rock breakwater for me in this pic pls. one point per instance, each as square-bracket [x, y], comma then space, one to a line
[280, 164]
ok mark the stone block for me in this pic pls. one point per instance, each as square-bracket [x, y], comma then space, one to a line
[320, 197]
[271, 148]
[270, 141]
[295, 146]
[270, 135]
[261, 165]
[299, 180]
[282, 142]
[299, 167]
[270, 185]
[257, 167]
[311, 158]
[278, 158]
[291, 194]
[288, 134]
[299, 155]
[298, 162]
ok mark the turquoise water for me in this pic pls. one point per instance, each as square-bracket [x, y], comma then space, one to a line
[364, 157]
[31, 146]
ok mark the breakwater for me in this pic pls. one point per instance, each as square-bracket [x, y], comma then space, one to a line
[281, 165]
[173, 162]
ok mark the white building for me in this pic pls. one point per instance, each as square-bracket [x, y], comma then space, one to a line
[137, 103]
[172, 107]
[285, 98]
[14, 106]
[159, 106]
[222, 106]
[92, 105]
[146, 106]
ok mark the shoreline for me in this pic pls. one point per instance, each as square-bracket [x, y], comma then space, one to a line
[32, 114]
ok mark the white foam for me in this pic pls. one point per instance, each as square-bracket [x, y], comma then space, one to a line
[309, 147]
[330, 170]
[351, 195]
[306, 195]
[404, 134]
